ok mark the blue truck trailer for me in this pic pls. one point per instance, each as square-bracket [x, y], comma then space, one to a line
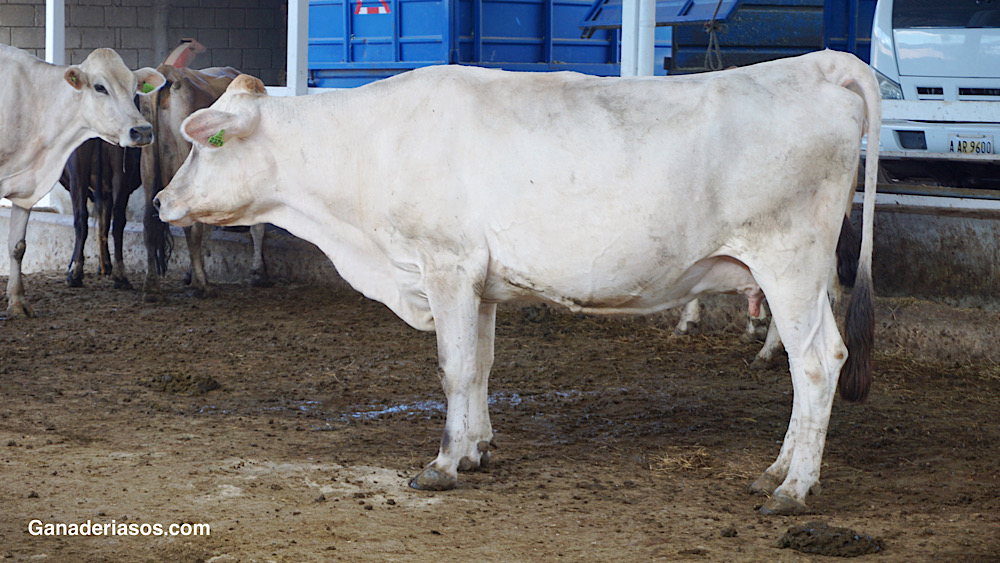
[353, 42]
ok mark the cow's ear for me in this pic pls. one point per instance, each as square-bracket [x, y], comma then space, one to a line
[211, 128]
[245, 83]
[148, 80]
[75, 77]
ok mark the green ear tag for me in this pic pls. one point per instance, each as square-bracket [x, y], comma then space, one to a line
[147, 87]
[217, 138]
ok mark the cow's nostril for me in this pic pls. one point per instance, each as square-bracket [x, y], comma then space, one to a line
[156, 203]
[141, 134]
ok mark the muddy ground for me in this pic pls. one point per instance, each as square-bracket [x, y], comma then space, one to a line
[615, 440]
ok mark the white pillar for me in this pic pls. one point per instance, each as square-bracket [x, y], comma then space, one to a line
[630, 37]
[297, 72]
[647, 37]
[638, 36]
[55, 31]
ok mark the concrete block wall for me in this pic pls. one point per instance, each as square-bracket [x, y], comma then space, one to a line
[249, 35]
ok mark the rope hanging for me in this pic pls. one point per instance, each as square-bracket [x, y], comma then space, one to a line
[713, 54]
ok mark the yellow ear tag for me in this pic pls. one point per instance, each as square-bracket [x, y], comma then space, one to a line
[73, 79]
[147, 87]
[217, 138]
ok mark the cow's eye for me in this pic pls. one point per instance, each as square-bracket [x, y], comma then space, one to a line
[101, 89]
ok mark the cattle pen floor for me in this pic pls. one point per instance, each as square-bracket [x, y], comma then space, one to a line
[615, 440]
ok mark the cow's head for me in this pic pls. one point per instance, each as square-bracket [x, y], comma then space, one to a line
[105, 89]
[186, 91]
[228, 168]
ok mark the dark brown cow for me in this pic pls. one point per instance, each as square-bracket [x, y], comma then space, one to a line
[106, 174]
[187, 90]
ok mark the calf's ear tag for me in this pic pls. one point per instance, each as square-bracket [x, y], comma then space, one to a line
[147, 87]
[216, 139]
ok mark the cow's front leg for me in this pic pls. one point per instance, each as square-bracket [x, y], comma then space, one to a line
[195, 234]
[16, 304]
[465, 330]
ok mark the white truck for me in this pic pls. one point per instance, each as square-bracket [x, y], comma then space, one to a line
[938, 65]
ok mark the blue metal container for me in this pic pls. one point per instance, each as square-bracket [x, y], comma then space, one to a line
[757, 31]
[353, 42]
[847, 26]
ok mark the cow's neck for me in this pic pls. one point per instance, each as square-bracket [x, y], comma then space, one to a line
[51, 133]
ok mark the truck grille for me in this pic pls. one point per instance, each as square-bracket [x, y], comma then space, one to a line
[979, 94]
[962, 95]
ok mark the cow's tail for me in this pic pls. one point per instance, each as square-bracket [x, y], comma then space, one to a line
[160, 243]
[856, 375]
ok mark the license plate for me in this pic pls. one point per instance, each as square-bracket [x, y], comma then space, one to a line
[971, 144]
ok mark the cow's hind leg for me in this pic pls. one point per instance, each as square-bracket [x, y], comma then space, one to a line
[258, 272]
[465, 330]
[770, 353]
[757, 325]
[816, 353]
[690, 318]
[195, 234]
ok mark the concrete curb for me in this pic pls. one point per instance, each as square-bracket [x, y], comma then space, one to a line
[228, 254]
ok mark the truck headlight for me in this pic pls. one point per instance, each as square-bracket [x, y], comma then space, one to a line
[889, 89]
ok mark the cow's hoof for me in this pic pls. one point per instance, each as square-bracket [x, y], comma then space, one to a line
[151, 297]
[204, 292]
[780, 505]
[261, 280]
[431, 479]
[690, 330]
[74, 282]
[470, 464]
[776, 362]
[764, 485]
[19, 310]
[122, 283]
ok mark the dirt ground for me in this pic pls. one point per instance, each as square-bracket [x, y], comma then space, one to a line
[615, 440]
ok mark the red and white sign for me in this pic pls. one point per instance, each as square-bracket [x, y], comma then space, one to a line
[383, 9]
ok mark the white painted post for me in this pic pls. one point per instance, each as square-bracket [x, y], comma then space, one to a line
[630, 37]
[55, 31]
[638, 36]
[297, 72]
[646, 38]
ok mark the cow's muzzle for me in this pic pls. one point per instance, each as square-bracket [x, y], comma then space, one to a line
[141, 135]
[170, 213]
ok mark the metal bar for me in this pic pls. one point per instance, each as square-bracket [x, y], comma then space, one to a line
[348, 33]
[477, 39]
[549, 22]
[397, 25]
[938, 191]
[928, 155]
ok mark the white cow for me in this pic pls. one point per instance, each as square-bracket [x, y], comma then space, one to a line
[46, 111]
[447, 190]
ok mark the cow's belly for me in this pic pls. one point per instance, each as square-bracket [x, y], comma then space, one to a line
[647, 288]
